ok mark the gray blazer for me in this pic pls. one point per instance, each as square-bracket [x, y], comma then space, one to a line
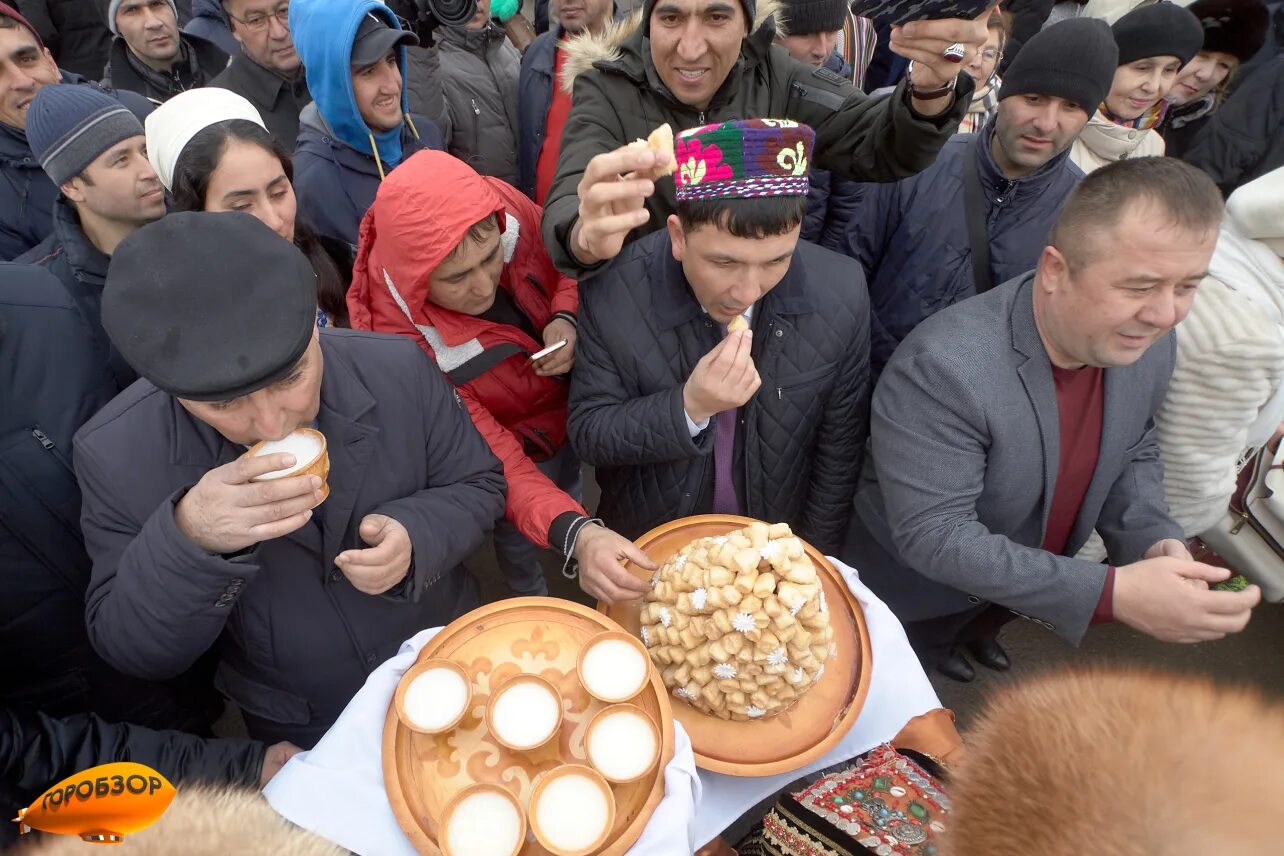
[964, 439]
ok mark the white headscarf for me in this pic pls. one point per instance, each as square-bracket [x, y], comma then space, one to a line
[1258, 209]
[171, 126]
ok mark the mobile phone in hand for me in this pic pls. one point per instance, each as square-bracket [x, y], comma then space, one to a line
[539, 355]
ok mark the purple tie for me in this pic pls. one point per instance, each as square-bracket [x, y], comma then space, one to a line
[724, 456]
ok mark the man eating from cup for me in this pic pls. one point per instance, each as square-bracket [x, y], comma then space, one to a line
[300, 599]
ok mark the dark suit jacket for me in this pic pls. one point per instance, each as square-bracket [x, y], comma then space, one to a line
[964, 440]
[279, 102]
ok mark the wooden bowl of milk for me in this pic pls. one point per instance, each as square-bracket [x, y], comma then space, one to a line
[433, 696]
[572, 810]
[524, 713]
[311, 457]
[483, 820]
[613, 667]
[622, 743]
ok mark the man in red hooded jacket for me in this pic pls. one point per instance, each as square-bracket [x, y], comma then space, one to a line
[456, 260]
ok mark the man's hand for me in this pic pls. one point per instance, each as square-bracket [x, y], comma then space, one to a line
[601, 554]
[1169, 547]
[924, 42]
[1156, 597]
[724, 379]
[274, 759]
[225, 511]
[384, 563]
[613, 193]
[561, 360]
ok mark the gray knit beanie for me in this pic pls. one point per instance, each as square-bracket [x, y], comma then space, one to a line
[114, 5]
[69, 125]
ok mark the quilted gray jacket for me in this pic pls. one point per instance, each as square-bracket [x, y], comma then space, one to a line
[801, 438]
[479, 71]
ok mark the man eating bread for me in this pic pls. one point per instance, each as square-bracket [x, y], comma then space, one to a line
[297, 600]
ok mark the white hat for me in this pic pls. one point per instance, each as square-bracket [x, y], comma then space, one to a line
[171, 126]
[1258, 209]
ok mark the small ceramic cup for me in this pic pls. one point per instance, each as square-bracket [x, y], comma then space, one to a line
[503, 732]
[319, 466]
[489, 793]
[591, 651]
[448, 719]
[598, 752]
[551, 839]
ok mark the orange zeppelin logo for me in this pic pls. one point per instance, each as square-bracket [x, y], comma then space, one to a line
[102, 804]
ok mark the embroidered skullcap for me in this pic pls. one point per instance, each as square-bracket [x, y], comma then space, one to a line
[744, 158]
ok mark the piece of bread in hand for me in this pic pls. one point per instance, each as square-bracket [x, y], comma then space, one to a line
[660, 141]
[738, 324]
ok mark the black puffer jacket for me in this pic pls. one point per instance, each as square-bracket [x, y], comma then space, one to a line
[801, 438]
[37, 751]
[73, 30]
[1244, 140]
[201, 62]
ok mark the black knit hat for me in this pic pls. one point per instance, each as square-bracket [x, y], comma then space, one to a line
[1235, 27]
[648, 6]
[804, 17]
[209, 306]
[1160, 29]
[1074, 59]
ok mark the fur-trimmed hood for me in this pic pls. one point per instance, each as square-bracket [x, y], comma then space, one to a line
[622, 41]
[208, 821]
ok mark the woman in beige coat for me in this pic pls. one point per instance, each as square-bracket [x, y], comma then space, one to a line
[1154, 43]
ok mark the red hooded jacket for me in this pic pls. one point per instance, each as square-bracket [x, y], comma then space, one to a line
[424, 208]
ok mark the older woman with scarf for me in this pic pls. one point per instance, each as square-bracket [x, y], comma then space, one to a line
[1155, 42]
[1234, 30]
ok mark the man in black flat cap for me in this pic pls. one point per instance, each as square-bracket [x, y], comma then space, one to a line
[302, 597]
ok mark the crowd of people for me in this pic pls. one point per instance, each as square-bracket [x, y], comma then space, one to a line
[929, 321]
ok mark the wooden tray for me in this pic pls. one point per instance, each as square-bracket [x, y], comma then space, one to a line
[537, 635]
[812, 726]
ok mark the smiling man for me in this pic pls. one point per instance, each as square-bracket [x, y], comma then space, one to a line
[692, 62]
[267, 72]
[678, 416]
[1006, 428]
[300, 594]
[914, 237]
[151, 57]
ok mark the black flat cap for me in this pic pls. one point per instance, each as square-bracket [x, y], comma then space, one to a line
[209, 306]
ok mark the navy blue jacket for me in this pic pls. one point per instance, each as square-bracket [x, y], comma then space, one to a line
[209, 23]
[911, 235]
[534, 97]
[831, 203]
[53, 378]
[335, 183]
[26, 193]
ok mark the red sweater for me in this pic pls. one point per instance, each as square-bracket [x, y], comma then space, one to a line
[1080, 406]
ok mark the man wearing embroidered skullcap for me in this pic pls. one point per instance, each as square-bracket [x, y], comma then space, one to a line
[688, 62]
[723, 364]
[301, 592]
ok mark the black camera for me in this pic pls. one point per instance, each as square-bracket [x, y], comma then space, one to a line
[423, 16]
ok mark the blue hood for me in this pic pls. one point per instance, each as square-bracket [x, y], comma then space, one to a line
[323, 32]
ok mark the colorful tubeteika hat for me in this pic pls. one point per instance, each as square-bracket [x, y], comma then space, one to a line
[744, 158]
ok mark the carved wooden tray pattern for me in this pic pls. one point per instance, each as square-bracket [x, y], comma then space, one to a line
[536, 635]
[812, 726]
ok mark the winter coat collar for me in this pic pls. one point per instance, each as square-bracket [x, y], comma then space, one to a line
[87, 261]
[14, 148]
[345, 155]
[994, 179]
[675, 304]
[622, 48]
[478, 42]
[262, 85]
[1109, 141]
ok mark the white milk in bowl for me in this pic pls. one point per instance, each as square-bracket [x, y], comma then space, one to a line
[525, 714]
[622, 745]
[572, 814]
[303, 445]
[484, 823]
[435, 699]
[613, 669]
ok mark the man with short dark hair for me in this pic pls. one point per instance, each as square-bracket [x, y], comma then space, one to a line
[1002, 187]
[26, 193]
[543, 102]
[683, 412]
[1006, 428]
[358, 126]
[301, 586]
[267, 72]
[690, 62]
[151, 57]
